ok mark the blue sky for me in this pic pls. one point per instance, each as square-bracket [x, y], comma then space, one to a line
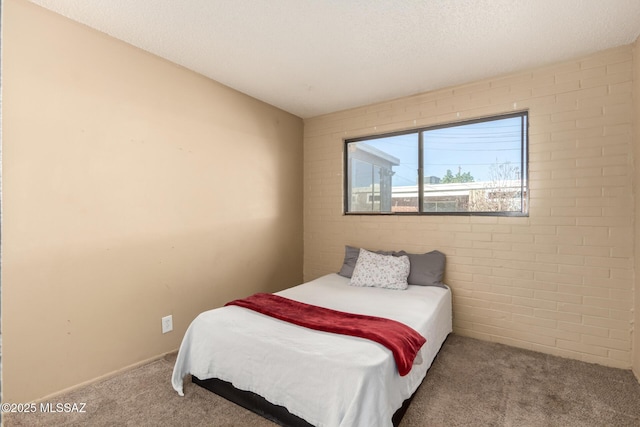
[472, 148]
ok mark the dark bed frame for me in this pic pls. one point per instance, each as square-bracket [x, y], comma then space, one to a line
[276, 413]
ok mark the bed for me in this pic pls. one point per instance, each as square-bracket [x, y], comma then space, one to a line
[309, 377]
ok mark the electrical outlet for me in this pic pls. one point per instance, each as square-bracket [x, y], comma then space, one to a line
[167, 324]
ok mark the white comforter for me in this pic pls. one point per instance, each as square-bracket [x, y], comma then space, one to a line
[327, 379]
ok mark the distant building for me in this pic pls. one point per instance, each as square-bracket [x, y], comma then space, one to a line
[431, 180]
[483, 196]
[370, 183]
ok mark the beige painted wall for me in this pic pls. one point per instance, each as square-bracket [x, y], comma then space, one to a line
[636, 103]
[133, 189]
[559, 281]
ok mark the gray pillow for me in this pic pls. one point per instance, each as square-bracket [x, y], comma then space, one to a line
[351, 257]
[427, 269]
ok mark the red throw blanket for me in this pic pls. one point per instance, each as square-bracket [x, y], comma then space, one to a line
[403, 341]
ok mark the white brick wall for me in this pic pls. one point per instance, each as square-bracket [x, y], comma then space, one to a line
[559, 281]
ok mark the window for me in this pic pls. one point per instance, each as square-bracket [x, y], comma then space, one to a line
[477, 167]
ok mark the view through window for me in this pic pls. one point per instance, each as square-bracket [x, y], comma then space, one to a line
[476, 167]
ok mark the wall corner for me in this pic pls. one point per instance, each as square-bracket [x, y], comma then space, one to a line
[635, 349]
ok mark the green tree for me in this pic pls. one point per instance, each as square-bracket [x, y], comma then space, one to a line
[449, 177]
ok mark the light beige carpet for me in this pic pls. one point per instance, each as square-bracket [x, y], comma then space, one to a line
[471, 383]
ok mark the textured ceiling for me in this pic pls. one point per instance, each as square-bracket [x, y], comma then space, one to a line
[311, 57]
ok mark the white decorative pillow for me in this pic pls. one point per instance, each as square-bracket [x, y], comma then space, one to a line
[381, 271]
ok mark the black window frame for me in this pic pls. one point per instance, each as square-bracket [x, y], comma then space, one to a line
[524, 163]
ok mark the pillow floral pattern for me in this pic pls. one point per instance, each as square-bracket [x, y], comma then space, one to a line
[381, 271]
